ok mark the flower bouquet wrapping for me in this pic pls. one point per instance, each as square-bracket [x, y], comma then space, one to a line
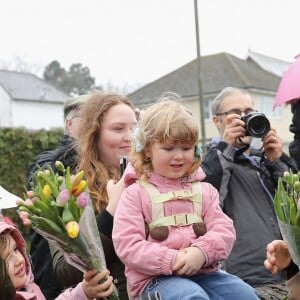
[59, 208]
[287, 207]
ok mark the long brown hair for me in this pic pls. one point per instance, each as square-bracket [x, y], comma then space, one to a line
[96, 171]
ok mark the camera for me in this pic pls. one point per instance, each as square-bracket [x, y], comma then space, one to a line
[256, 124]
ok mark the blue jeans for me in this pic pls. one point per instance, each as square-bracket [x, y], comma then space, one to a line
[218, 285]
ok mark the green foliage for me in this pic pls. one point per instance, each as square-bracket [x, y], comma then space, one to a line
[77, 80]
[18, 148]
[287, 199]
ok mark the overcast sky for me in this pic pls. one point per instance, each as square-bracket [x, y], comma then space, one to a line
[137, 41]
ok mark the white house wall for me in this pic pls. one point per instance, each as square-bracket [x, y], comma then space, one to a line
[37, 115]
[5, 109]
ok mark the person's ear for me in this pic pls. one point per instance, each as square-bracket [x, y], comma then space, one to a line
[68, 123]
[217, 121]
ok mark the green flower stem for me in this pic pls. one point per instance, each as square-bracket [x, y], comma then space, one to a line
[80, 247]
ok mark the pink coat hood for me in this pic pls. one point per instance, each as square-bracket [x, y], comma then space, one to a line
[32, 292]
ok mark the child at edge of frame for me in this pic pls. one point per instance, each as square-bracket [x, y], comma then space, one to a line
[17, 280]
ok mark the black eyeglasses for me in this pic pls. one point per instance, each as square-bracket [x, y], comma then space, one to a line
[237, 111]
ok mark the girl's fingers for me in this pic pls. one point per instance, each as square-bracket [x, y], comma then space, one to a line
[89, 274]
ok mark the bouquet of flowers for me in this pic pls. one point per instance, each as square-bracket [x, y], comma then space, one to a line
[287, 207]
[59, 209]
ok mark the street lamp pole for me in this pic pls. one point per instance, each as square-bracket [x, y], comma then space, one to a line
[202, 116]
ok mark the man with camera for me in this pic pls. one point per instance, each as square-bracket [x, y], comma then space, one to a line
[246, 179]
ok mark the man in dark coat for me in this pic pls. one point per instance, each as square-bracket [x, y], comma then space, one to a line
[246, 179]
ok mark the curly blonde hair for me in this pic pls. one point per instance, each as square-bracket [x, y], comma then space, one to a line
[96, 171]
[165, 120]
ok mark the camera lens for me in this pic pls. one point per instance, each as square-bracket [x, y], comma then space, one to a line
[258, 126]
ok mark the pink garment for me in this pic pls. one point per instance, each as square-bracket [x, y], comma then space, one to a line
[32, 292]
[147, 258]
[76, 293]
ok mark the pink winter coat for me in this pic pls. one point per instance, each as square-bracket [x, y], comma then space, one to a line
[32, 291]
[145, 258]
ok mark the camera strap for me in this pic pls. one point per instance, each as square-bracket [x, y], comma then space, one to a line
[242, 149]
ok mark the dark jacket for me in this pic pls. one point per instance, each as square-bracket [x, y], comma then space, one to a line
[247, 186]
[65, 152]
[294, 146]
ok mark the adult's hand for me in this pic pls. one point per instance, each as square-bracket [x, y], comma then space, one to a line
[273, 146]
[93, 288]
[234, 130]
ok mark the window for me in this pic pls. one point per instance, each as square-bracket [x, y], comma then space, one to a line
[207, 110]
[266, 107]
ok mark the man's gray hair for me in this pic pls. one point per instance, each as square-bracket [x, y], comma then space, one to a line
[228, 91]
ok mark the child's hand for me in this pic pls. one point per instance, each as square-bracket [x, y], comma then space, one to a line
[190, 261]
[91, 286]
[179, 261]
[278, 256]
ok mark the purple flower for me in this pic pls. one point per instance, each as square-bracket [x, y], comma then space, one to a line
[19, 202]
[63, 198]
[30, 194]
[82, 200]
[28, 203]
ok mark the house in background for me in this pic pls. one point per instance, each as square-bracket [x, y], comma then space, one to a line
[270, 64]
[28, 101]
[260, 75]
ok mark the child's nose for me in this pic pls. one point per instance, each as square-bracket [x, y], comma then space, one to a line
[178, 154]
[19, 259]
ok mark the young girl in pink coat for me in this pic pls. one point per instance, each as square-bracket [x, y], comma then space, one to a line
[169, 230]
[19, 278]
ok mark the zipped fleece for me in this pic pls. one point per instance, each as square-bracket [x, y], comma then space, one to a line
[145, 258]
[247, 186]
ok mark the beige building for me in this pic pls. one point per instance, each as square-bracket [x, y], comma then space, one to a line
[260, 75]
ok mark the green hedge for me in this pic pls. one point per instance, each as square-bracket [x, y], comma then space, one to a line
[18, 148]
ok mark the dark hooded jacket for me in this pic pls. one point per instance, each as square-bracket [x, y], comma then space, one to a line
[294, 146]
[65, 152]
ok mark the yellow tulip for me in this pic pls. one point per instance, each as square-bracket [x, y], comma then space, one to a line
[79, 188]
[47, 191]
[72, 228]
[77, 179]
